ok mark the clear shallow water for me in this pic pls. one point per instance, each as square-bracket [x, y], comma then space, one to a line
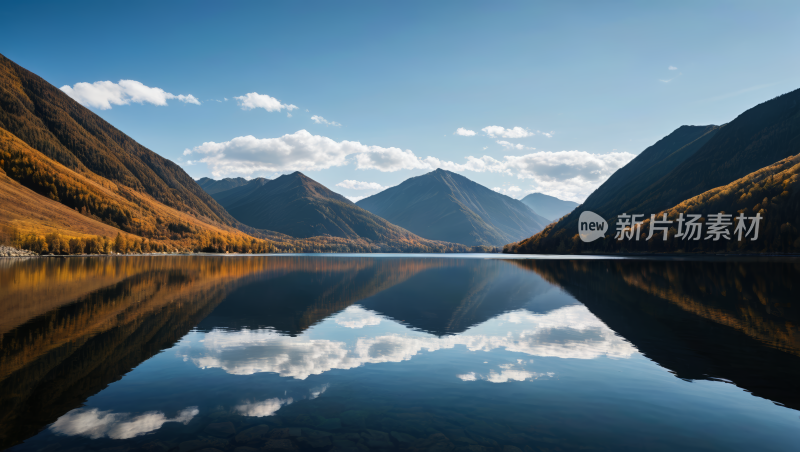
[398, 353]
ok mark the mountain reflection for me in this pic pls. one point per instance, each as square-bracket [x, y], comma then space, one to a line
[70, 327]
[717, 319]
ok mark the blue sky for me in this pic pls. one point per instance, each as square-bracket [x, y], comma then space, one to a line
[591, 84]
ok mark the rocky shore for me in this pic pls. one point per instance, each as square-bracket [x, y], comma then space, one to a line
[7, 251]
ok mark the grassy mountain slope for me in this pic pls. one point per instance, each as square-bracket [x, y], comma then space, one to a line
[233, 195]
[549, 207]
[51, 122]
[442, 205]
[757, 138]
[41, 196]
[297, 205]
[212, 186]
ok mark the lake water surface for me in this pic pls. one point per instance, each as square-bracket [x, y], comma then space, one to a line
[423, 353]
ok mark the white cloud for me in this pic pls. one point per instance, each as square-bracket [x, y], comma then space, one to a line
[261, 409]
[300, 151]
[254, 100]
[672, 68]
[97, 424]
[508, 145]
[321, 120]
[355, 199]
[568, 175]
[288, 115]
[470, 376]
[103, 95]
[464, 132]
[498, 131]
[666, 81]
[359, 185]
[547, 134]
[389, 159]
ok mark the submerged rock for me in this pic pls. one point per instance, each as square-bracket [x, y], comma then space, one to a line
[279, 445]
[314, 443]
[330, 424]
[402, 438]
[220, 429]
[192, 444]
[375, 438]
[253, 434]
[354, 419]
[280, 433]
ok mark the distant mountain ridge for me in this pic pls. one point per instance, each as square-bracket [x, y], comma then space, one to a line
[442, 205]
[549, 207]
[233, 195]
[212, 186]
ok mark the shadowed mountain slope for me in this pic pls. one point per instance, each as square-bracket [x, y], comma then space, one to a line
[442, 205]
[549, 207]
[213, 186]
[60, 128]
[711, 159]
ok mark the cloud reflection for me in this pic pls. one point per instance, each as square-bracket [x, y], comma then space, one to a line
[568, 332]
[97, 424]
[261, 409]
[357, 317]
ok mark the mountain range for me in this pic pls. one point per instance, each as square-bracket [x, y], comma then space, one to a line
[548, 206]
[442, 205]
[212, 186]
[296, 205]
[745, 166]
[70, 182]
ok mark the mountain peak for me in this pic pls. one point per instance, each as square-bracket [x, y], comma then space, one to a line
[442, 205]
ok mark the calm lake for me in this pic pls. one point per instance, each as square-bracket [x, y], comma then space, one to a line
[423, 353]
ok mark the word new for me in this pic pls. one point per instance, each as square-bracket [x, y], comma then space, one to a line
[690, 227]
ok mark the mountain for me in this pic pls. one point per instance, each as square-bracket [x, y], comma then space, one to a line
[51, 122]
[43, 199]
[72, 183]
[212, 186]
[230, 196]
[442, 205]
[298, 206]
[549, 206]
[697, 167]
